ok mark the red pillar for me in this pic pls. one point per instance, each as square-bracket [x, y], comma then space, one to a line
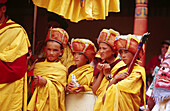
[140, 22]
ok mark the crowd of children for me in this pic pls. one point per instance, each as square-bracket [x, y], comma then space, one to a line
[78, 85]
[75, 76]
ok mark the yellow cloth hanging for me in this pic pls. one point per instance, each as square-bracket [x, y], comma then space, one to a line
[128, 93]
[14, 42]
[51, 97]
[71, 9]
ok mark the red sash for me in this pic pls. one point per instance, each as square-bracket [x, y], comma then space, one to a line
[12, 71]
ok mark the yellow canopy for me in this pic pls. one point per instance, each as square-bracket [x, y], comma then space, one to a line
[71, 9]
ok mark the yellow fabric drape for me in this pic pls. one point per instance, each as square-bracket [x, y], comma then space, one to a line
[102, 88]
[128, 93]
[14, 42]
[13, 93]
[71, 9]
[84, 75]
[51, 97]
[67, 57]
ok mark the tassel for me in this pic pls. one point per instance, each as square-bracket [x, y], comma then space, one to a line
[82, 2]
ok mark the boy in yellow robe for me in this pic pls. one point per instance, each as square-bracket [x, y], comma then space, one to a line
[83, 53]
[128, 93]
[50, 75]
[104, 70]
[14, 45]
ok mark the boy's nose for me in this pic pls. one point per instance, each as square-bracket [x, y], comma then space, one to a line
[123, 55]
[51, 52]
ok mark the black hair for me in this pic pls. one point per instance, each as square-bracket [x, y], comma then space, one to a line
[58, 19]
[61, 46]
[166, 42]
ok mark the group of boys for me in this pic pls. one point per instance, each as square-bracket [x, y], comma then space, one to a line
[114, 87]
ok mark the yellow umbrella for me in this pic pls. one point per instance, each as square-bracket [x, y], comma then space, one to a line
[77, 10]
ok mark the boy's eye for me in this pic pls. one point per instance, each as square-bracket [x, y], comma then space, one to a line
[55, 50]
[120, 51]
[126, 51]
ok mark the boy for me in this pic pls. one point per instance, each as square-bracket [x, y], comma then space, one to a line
[83, 53]
[104, 70]
[126, 94]
[50, 75]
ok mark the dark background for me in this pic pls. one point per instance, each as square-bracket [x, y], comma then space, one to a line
[22, 11]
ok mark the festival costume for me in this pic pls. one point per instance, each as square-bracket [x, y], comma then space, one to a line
[83, 101]
[67, 57]
[77, 10]
[102, 88]
[107, 36]
[161, 90]
[84, 75]
[50, 97]
[14, 45]
[128, 93]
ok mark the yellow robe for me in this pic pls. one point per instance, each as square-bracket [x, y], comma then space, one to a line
[14, 43]
[102, 88]
[127, 94]
[50, 97]
[67, 57]
[71, 9]
[83, 101]
[84, 75]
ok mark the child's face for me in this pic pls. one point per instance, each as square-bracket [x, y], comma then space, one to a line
[126, 56]
[105, 51]
[80, 59]
[164, 48]
[53, 50]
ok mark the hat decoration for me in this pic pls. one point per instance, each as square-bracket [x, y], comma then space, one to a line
[59, 35]
[85, 47]
[108, 37]
[128, 42]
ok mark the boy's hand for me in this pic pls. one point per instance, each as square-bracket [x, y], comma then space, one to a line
[69, 86]
[100, 67]
[40, 81]
[80, 89]
[106, 69]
